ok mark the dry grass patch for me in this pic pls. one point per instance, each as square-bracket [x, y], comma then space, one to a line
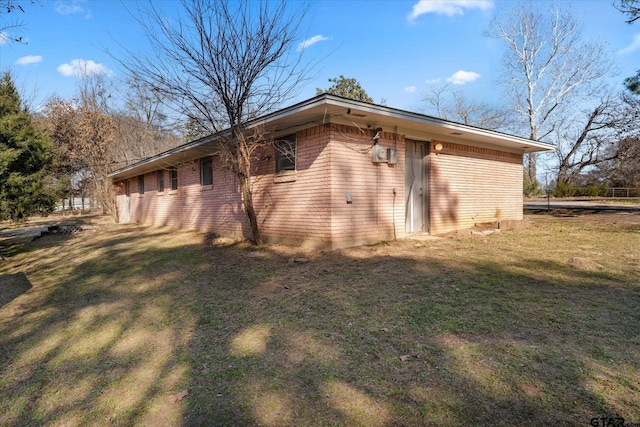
[536, 326]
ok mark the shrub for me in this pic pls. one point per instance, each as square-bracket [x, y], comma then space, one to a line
[568, 190]
[564, 189]
[592, 191]
[531, 188]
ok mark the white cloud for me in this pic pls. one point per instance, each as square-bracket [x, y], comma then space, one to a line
[433, 81]
[462, 77]
[635, 45]
[83, 67]
[72, 7]
[410, 89]
[30, 59]
[311, 41]
[448, 7]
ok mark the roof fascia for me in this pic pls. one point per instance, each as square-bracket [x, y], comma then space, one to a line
[417, 117]
[346, 103]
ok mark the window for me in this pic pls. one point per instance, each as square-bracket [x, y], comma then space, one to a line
[127, 191]
[286, 154]
[174, 178]
[160, 181]
[141, 184]
[206, 171]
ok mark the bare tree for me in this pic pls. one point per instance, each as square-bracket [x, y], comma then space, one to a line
[547, 67]
[623, 170]
[590, 138]
[221, 64]
[450, 104]
[142, 127]
[631, 8]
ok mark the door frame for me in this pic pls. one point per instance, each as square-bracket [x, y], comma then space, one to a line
[410, 147]
[127, 196]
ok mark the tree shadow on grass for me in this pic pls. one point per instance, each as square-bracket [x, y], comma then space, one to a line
[12, 286]
[382, 335]
[410, 341]
[100, 338]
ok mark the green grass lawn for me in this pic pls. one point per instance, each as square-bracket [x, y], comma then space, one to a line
[126, 325]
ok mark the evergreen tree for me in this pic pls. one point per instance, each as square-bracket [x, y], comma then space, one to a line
[25, 155]
[346, 87]
[633, 83]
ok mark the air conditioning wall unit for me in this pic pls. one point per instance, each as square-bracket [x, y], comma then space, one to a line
[378, 154]
[392, 156]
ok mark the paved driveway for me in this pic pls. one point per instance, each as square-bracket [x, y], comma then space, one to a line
[24, 232]
[591, 205]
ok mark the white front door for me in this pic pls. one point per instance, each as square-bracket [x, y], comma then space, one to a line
[416, 220]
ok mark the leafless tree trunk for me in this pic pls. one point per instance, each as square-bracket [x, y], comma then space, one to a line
[547, 66]
[220, 65]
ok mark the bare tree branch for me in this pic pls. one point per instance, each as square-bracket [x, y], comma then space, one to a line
[591, 140]
[8, 26]
[220, 64]
[449, 104]
[631, 8]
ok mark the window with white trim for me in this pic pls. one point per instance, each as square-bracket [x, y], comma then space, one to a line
[206, 171]
[286, 154]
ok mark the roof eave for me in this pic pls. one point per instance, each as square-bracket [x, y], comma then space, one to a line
[328, 100]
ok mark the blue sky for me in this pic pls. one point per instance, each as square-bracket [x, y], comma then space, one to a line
[396, 49]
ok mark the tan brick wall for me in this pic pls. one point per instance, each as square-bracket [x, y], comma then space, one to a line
[310, 208]
[295, 208]
[370, 217]
[214, 208]
[467, 185]
[471, 185]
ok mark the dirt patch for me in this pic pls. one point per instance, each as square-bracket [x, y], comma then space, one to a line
[265, 288]
[584, 264]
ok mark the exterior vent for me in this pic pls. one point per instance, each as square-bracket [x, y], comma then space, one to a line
[378, 154]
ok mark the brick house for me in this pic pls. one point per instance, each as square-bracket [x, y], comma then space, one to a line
[356, 173]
